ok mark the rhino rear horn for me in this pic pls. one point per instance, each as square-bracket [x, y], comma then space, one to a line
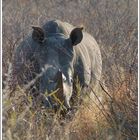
[38, 34]
[59, 79]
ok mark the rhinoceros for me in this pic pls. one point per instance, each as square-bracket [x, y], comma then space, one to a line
[62, 53]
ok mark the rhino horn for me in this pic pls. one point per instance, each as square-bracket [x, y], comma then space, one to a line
[58, 79]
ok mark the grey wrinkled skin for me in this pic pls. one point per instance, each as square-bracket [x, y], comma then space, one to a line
[56, 52]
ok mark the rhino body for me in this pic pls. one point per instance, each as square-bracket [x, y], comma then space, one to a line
[61, 52]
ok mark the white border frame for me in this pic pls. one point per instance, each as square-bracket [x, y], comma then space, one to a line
[1, 71]
[138, 72]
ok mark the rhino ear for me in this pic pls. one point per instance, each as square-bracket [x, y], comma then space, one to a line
[38, 34]
[76, 35]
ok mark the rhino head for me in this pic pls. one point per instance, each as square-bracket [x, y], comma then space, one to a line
[55, 56]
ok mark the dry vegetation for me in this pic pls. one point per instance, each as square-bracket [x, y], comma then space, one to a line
[114, 116]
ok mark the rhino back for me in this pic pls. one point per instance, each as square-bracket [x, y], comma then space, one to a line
[57, 26]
